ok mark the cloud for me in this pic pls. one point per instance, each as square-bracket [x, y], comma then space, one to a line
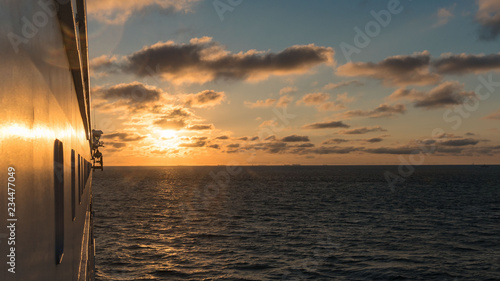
[335, 141]
[459, 142]
[444, 15]
[116, 145]
[233, 145]
[320, 101]
[268, 123]
[204, 99]
[314, 99]
[174, 119]
[199, 143]
[395, 71]
[178, 113]
[363, 130]
[169, 124]
[222, 138]
[383, 110]
[493, 116]
[216, 146]
[202, 60]
[394, 150]
[466, 63]
[326, 125]
[124, 136]
[373, 140]
[260, 103]
[131, 93]
[295, 138]
[104, 62]
[343, 99]
[488, 16]
[287, 90]
[335, 150]
[448, 93]
[284, 101]
[332, 86]
[118, 11]
[200, 127]
[304, 145]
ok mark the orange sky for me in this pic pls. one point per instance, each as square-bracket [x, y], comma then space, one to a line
[204, 83]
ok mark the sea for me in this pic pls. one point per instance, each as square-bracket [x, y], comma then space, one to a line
[297, 223]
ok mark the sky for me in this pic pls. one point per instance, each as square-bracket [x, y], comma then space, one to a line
[240, 82]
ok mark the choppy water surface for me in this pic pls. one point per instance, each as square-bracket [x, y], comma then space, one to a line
[297, 222]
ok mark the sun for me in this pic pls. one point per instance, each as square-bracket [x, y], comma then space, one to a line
[167, 134]
[167, 139]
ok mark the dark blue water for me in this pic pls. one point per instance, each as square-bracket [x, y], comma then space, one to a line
[297, 223]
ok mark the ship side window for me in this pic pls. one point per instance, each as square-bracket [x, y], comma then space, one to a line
[73, 186]
[79, 179]
[59, 200]
[82, 180]
[84, 174]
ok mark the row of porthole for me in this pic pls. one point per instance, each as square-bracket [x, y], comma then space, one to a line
[83, 171]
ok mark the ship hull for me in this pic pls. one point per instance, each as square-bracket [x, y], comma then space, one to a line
[46, 225]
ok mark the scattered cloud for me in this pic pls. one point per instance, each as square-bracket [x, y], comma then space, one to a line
[123, 137]
[170, 124]
[394, 71]
[178, 113]
[466, 63]
[335, 150]
[131, 93]
[332, 86]
[204, 99]
[493, 116]
[295, 138]
[260, 103]
[459, 142]
[383, 110]
[335, 141]
[444, 15]
[200, 127]
[314, 99]
[268, 123]
[284, 101]
[117, 12]
[363, 130]
[320, 101]
[326, 125]
[116, 144]
[343, 99]
[394, 150]
[488, 16]
[203, 60]
[448, 93]
[374, 140]
[198, 143]
[288, 90]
